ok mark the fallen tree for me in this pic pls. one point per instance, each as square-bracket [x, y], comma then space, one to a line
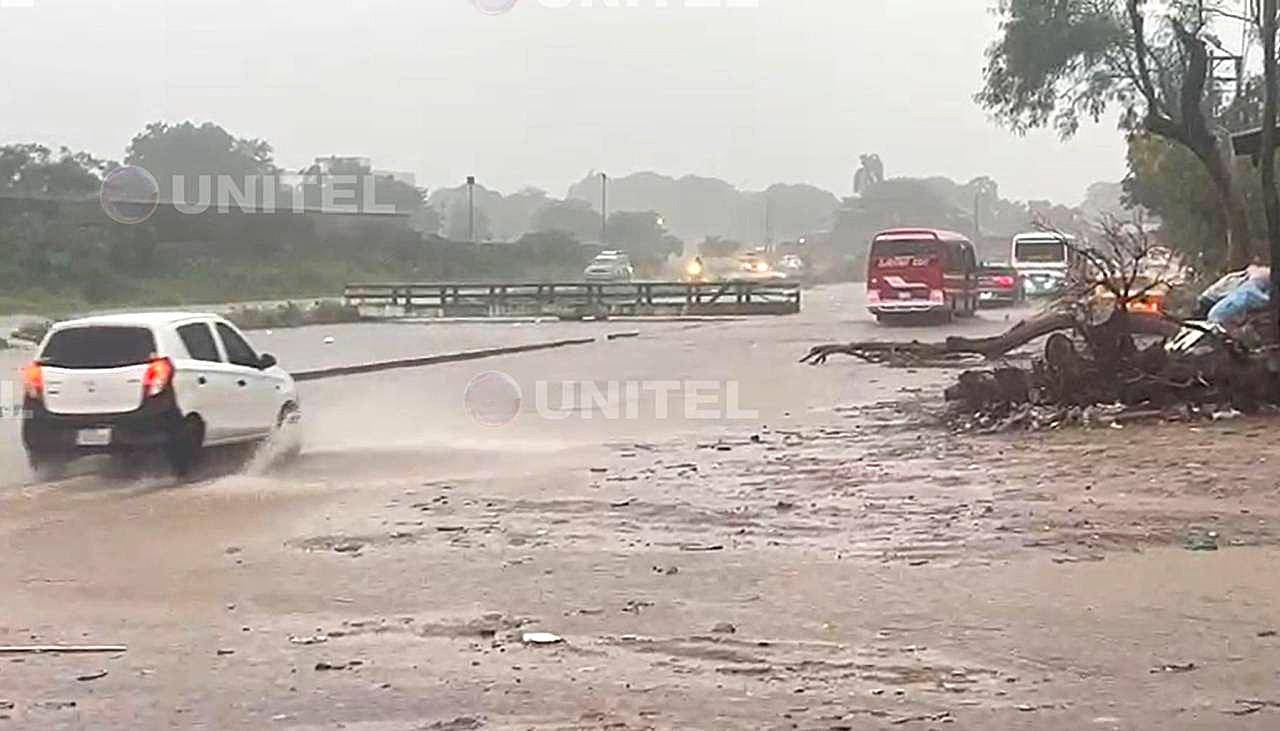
[1117, 359]
[994, 346]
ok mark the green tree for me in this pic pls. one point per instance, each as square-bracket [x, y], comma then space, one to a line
[35, 171]
[641, 234]
[870, 173]
[192, 151]
[1057, 62]
[1168, 180]
[575, 217]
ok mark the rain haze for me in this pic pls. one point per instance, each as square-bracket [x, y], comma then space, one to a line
[782, 92]
[622, 365]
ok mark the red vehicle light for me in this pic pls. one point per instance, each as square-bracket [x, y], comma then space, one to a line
[33, 381]
[1004, 281]
[157, 378]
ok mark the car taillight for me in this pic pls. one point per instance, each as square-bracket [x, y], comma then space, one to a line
[33, 381]
[1004, 281]
[158, 377]
[936, 295]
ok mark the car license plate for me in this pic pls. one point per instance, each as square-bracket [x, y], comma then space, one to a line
[94, 437]
[904, 295]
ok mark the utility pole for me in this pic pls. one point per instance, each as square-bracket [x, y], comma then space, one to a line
[768, 222]
[977, 216]
[604, 209]
[471, 208]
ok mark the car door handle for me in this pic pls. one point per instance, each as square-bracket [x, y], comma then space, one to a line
[202, 380]
[241, 382]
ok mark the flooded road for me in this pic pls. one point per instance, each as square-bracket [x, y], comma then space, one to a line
[808, 558]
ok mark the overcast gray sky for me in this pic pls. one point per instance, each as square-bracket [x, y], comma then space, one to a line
[788, 91]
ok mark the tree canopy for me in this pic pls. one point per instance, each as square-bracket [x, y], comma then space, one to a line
[1058, 62]
[191, 150]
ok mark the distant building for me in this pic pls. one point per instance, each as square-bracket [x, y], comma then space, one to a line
[327, 165]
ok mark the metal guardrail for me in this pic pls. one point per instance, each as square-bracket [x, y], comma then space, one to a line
[573, 300]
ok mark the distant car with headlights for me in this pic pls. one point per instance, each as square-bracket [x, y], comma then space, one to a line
[610, 266]
[174, 383]
[754, 267]
[793, 266]
[999, 284]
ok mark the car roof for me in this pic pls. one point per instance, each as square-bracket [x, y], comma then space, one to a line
[136, 319]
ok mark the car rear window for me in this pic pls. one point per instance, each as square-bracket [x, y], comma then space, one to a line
[99, 347]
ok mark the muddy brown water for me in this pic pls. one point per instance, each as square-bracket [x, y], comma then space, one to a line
[823, 563]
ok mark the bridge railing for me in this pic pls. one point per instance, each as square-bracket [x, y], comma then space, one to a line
[578, 299]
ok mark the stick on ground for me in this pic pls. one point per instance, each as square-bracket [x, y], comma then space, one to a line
[59, 649]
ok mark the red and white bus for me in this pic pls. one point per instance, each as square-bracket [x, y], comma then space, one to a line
[921, 271]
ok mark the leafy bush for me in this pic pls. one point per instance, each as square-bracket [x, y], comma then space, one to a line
[290, 314]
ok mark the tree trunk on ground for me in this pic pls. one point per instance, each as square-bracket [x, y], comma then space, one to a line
[993, 347]
[1043, 324]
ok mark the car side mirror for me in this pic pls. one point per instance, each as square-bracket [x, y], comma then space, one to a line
[265, 361]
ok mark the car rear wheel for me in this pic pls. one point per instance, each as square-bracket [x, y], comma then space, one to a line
[186, 446]
[47, 466]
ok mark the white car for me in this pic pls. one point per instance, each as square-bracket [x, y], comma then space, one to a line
[171, 382]
[610, 266]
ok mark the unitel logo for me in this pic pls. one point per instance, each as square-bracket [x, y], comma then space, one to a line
[493, 7]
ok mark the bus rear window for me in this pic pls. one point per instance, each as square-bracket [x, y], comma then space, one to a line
[900, 254]
[99, 347]
[1044, 252]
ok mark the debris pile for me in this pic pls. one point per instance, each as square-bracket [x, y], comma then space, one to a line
[1097, 368]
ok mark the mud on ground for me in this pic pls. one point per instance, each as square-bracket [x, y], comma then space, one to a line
[861, 573]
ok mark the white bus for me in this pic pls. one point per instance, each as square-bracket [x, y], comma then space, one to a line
[1043, 261]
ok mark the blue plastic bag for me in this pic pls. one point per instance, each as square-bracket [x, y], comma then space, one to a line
[1250, 296]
